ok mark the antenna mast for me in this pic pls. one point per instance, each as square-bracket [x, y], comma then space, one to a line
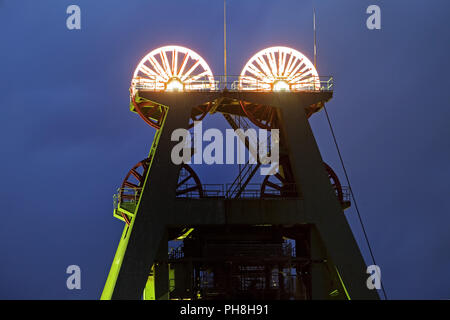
[225, 40]
[315, 43]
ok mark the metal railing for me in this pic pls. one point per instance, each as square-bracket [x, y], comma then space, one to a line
[251, 191]
[126, 195]
[236, 83]
[346, 195]
[227, 191]
[241, 249]
[130, 196]
[208, 190]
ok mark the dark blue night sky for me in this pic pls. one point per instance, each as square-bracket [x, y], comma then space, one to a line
[68, 139]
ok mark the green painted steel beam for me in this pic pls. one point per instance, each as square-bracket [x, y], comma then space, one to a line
[122, 247]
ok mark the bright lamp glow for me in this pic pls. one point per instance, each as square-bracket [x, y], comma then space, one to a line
[280, 85]
[174, 84]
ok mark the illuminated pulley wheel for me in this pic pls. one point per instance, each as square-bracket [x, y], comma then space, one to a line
[279, 69]
[173, 68]
[189, 185]
[131, 188]
[264, 117]
[169, 68]
[281, 184]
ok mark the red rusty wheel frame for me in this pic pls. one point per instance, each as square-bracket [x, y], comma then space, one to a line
[335, 183]
[190, 174]
[136, 177]
[266, 120]
[285, 185]
[313, 108]
[133, 180]
[202, 111]
[154, 109]
[287, 190]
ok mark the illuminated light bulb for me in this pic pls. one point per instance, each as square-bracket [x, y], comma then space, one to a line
[174, 84]
[280, 85]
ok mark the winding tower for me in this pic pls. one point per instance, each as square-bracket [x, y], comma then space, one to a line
[285, 237]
